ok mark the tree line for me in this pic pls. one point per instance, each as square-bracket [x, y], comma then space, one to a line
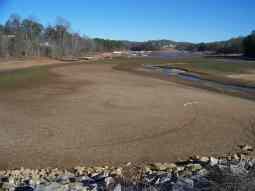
[239, 45]
[249, 45]
[232, 46]
[28, 37]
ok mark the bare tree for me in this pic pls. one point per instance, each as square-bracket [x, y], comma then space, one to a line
[32, 33]
[29, 38]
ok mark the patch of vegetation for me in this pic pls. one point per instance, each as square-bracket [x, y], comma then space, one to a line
[205, 65]
[21, 78]
[132, 61]
[215, 66]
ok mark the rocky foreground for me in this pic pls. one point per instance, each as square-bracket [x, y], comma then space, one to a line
[230, 172]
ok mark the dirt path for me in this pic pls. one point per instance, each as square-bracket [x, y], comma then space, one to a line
[98, 115]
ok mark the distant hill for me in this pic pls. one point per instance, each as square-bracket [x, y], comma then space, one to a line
[156, 45]
[234, 45]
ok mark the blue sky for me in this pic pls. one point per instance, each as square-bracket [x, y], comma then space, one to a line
[180, 20]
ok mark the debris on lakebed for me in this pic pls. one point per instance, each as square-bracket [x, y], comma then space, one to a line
[230, 172]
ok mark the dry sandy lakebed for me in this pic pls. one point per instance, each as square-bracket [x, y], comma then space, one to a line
[94, 114]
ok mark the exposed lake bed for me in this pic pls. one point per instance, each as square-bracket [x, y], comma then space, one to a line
[227, 74]
[89, 113]
[186, 75]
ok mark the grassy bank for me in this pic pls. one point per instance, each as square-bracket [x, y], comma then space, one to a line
[216, 66]
[132, 61]
[207, 65]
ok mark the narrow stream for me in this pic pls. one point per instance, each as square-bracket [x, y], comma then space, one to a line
[184, 75]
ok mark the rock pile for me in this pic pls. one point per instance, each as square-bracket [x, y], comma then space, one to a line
[198, 173]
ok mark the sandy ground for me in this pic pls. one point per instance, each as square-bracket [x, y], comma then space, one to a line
[97, 115]
[12, 63]
[250, 76]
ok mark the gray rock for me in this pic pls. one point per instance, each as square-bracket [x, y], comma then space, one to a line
[239, 169]
[194, 167]
[165, 179]
[248, 164]
[99, 177]
[236, 157]
[63, 180]
[52, 186]
[117, 188]
[76, 187]
[201, 183]
[109, 181]
[150, 188]
[161, 167]
[180, 168]
[204, 159]
[24, 188]
[4, 179]
[117, 172]
[87, 181]
[213, 161]
[246, 148]
[202, 172]
[183, 184]
[151, 178]
[147, 169]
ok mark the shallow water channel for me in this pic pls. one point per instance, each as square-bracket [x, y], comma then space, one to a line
[185, 75]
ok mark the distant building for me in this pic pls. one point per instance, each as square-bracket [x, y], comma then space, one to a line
[117, 52]
[169, 46]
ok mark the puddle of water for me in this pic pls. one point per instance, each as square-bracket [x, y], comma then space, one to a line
[184, 75]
